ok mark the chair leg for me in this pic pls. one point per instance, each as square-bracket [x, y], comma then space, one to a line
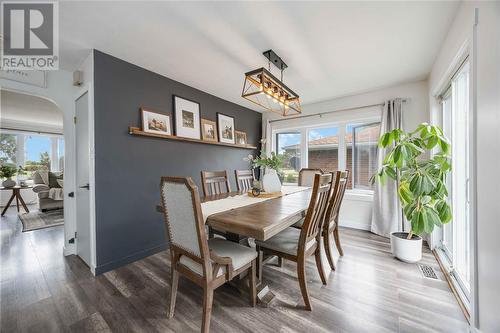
[301, 270]
[173, 291]
[337, 240]
[319, 265]
[208, 298]
[328, 249]
[252, 283]
[260, 263]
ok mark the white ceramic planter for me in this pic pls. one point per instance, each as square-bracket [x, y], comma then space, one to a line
[271, 181]
[9, 183]
[407, 250]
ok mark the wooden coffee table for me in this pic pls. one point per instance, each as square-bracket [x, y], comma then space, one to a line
[16, 193]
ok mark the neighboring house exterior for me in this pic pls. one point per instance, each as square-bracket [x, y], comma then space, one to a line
[323, 154]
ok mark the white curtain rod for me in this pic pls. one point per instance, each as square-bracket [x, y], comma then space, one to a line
[328, 112]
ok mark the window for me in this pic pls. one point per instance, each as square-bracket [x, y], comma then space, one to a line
[288, 144]
[37, 153]
[323, 149]
[8, 148]
[455, 241]
[331, 147]
[32, 151]
[361, 145]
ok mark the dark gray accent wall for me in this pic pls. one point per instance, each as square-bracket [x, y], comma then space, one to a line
[128, 168]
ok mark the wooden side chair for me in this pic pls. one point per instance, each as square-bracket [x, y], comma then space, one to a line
[306, 176]
[215, 182]
[299, 244]
[208, 263]
[331, 223]
[244, 179]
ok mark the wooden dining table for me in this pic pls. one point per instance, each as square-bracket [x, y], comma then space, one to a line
[260, 220]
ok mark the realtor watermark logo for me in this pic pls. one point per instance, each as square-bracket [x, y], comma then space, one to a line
[30, 35]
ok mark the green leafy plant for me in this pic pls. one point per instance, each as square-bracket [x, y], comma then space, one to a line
[7, 170]
[275, 161]
[422, 181]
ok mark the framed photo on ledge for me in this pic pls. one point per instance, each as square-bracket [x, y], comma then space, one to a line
[225, 126]
[209, 130]
[154, 122]
[241, 138]
[187, 118]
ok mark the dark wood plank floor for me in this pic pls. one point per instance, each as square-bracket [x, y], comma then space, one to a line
[42, 291]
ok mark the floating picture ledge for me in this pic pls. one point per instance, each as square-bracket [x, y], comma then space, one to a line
[137, 131]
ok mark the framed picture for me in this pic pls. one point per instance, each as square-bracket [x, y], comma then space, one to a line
[154, 122]
[209, 130]
[241, 138]
[225, 125]
[187, 118]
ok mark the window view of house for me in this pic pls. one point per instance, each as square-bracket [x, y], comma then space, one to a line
[361, 149]
[323, 149]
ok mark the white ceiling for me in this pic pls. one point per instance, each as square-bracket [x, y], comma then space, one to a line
[28, 112]
[332, 48]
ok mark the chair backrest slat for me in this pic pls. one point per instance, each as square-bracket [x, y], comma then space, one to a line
[244, 179]
[339, 186]
[215, 182]
[322, 188]
[306, 176]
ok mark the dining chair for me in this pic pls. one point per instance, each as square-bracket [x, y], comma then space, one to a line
[306, 176]
[208, 263]
[244, 179]
[299, 244]
[215, 182]
[331, 222]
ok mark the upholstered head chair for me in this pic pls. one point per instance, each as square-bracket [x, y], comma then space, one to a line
[306, 176]
[208, 263]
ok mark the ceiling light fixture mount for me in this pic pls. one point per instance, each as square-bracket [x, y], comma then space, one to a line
[266, 90]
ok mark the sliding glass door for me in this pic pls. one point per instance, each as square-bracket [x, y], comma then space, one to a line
[456, 235]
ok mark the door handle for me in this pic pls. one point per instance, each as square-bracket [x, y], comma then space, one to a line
[86, 186]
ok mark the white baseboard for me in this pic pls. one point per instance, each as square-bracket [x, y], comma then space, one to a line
[355, 225]
[69, 249]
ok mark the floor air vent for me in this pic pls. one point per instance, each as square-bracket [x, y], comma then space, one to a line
[427, 272]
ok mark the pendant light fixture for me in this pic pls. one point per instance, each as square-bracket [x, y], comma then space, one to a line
[264, 89]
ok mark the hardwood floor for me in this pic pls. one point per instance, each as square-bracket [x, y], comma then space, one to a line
[42, 291]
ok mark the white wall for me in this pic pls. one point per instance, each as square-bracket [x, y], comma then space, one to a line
[484, 48]
[357, 209]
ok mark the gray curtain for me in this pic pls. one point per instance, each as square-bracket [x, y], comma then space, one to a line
[387, 216]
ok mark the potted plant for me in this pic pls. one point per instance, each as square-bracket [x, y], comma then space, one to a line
[8, 171]
[421, 184]
[272, 165]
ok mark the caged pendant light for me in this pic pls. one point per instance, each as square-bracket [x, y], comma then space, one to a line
[264, 89]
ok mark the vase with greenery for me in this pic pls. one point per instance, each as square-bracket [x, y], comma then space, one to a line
[8, 171]
[421, 182]
[272, 166]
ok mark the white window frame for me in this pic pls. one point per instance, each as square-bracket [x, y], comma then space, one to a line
[21, 137]
[327, 123]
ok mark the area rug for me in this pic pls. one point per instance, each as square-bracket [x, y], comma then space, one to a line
[40, 220]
